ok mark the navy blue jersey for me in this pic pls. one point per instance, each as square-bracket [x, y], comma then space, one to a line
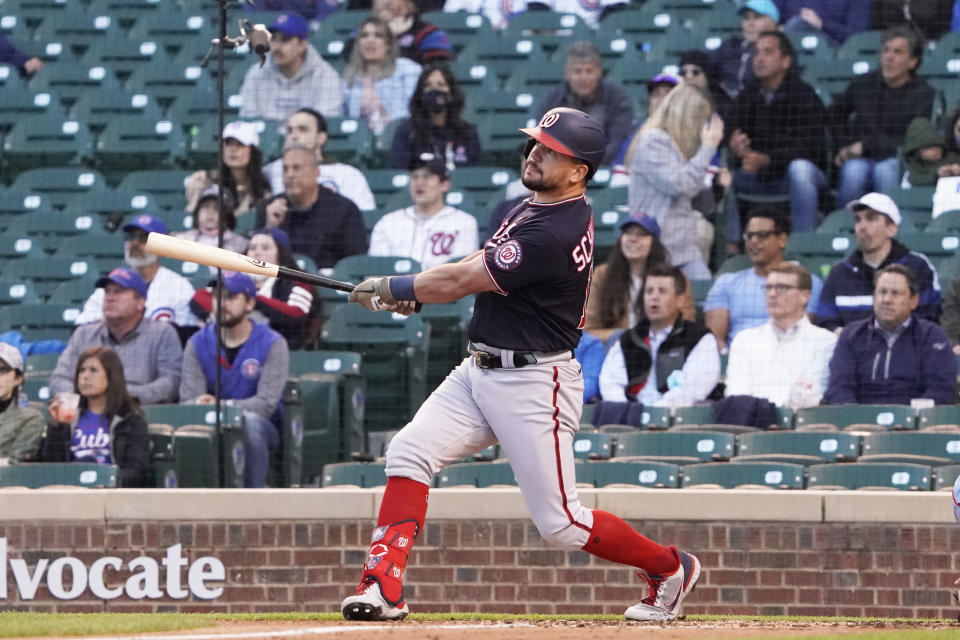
[541, 260]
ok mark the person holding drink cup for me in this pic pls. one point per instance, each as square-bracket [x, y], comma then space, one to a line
[99, 421]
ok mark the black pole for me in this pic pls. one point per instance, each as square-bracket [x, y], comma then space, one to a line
[218, 426]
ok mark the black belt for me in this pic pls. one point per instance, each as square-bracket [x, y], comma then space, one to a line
[486, 360]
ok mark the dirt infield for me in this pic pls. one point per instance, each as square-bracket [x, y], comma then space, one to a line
[542, 630]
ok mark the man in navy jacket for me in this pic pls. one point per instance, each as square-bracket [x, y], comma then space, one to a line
[893, 355]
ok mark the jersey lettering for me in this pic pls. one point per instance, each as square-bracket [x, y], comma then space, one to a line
[503, 232]
[583, 253]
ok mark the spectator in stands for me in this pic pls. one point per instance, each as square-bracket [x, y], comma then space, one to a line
[585, 88]
[668, 161]
[436, 123]
[737, 300]
[778, 138]
[294, 76]
[615, 301]
[847, 295]
[697, 68]
[950, 320]
[663, 360]
[873, 113]
[657, 89]
[930, 18]
[590, 354]
[206, 221]
[417, 40]
[953, 131]
[308, 128]
[20, 427]
[253, 372]
[786, 359]
[735, 55]
[927, 156]
[308, 9]
[379, 83]
[150, 351]
[288, 306]
[431, 231]
[169, 293]
[321, 224]
[893, 355]
[835, 19]
[26, 65]
[108, 427]
[242, 170]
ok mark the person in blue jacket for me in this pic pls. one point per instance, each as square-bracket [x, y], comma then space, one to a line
[9, 54]
[894, 355]
[836, 19]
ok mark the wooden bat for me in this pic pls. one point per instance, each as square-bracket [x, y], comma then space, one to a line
[189, 251]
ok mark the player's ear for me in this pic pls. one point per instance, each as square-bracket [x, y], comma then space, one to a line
[578, 172]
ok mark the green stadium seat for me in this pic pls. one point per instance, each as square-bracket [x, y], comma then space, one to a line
[56, 186]
[162, 471]
[185, 414]
[394, 351]
[634, 74]
[477, 474]
[175, 30]
[592, 446]
[69, 81]
[461, 27]
[499, 136]
[387, 182]
[880, 416]
[676, 447]
[77, 30]
[876, 475]
[168, 82]
[196, 108]
[358, 268]
[44, 474]
[348, 140]
[552, 30]
[46, 142]
[19, 103]
[132, 143]
[933, 245]
[696, 415]
[655, 418]
[932, 449]
[124, 56]
[448, 337]
[813, 243]
[484, 184]
[804, 448]
[31, 13]
[501, 56]
[643, 22]
[945, 477]
[15, 292]
[15, 244]
[735, 263]
[810, 46]
[837, 222]
[48, 229]
[290, 472]
[860, 45]
[97, 110]
[39, 316]
[47, 272]
[915, 203]
[946, 222]
[195, 455]
[49, 52]
[37, 390]
[165, 186]
[834, 75]
[359, 474]
[105, 202]
[40, 365]
[938, 415]
[474, 78]
[729, 475]
[129, 12]
[76, 292]
[641, 473]
[341, 24]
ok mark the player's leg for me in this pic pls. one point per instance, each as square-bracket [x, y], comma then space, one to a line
[541, 455]
[447, 427]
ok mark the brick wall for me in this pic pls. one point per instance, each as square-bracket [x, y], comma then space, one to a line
[502, 565]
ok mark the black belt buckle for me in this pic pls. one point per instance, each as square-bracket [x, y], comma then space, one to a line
[486, 360]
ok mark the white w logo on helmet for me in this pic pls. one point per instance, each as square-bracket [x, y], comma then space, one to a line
[549, 119]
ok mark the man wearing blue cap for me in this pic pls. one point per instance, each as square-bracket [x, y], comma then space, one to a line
[253, 370]
[150, 351]
[168, 293]
[735, 55]
[293, 77]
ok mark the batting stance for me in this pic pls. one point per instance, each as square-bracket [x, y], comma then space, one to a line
[521, 385]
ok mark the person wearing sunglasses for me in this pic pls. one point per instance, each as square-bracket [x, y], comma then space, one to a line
[737, 300]
[20, 427]
[786, 359]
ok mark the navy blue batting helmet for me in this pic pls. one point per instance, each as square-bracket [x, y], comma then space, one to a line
[572, 133]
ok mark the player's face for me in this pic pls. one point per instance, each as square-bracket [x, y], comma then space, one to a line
[120, 303]
[236, 306]
[427, 189]
[785, 298]
[892, 301]
[372, 43]
[660, 303]
[263, 247]
[764, 244]
[872, 229]
[92, 379]
[753, 24]
[302, 129]
[546, 170]
[9, 379]
[208, 216]
[635, 243]
[235, 154]
[584, 78]
[896, 61]
[299, 172]
[135, 252]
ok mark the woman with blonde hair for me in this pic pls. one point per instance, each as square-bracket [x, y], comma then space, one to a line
[668, 161]
[378, 82]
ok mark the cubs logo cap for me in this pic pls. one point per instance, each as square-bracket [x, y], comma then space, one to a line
[572, 133]
[641, 219]
[126, 278]
[12, 356]
[291, 24]
[237, 282]
[148, 223]
[879, 202]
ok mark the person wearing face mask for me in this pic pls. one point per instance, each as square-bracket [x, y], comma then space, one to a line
[436, 125]
[288, 306]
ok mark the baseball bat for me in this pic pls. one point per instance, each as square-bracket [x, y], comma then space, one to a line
[189, 251]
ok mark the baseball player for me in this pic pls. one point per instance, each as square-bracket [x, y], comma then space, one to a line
[520, 386]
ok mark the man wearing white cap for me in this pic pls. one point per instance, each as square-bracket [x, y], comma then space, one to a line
[848, 293]
[20, 427]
